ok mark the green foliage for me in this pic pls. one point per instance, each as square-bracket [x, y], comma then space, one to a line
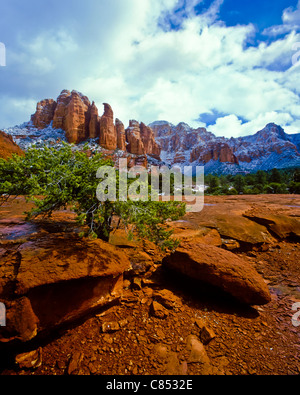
[296, 175]
[275, 177]
[275, 187]
[239, 183]
[232, 191]
[56, 179]
[295, 187]
[272, 182]
[260, 178]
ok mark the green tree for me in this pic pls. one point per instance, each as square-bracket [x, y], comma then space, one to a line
[294, 187]
[239, 183]
[296, 175]
[212, 181]
[275, 176]
[261, 178]
[223, 182]
[276, 188]
[232, 191]
[68, 178]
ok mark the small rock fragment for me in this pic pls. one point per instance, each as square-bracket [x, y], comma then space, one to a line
[30, 360]
[158, 310]
[136, 284]
[75, 361]
[167, 299]
[206, 334]
[110, 327]
[197, 350]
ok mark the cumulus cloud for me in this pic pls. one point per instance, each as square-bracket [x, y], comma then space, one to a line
[290, 19]
[150, 61]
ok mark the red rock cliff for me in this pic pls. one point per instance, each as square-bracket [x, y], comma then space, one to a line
[73, 113]
[8, 147]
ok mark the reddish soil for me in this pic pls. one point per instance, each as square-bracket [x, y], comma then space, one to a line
[8, 147]
[255, 340]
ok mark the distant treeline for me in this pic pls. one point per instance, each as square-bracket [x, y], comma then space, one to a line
[284, 181]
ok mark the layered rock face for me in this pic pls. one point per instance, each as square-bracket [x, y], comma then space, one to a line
[77, 117]
[133, 136]
[73, 113]
[108, 134]
[150, 145]
[60, 110]
[121, 135]
[94, 126]
[44, 113]
[214, 151]
[141, 140]
[269, 148]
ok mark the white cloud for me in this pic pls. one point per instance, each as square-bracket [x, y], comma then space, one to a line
[232, 126]
[290, 19]
[177, 75]
[291, 16]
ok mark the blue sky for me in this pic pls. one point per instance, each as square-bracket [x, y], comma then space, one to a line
[222, 64]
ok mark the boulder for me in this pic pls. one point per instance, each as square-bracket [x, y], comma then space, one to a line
[55, 280]
[282, 226]
[21, 321]
[236, 227]
[198, 354]
[220, 268]
[169, 361]
[197, 351]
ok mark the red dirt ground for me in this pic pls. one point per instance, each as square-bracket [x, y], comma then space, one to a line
[249, 340]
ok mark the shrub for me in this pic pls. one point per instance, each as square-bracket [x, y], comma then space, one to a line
[67, 178]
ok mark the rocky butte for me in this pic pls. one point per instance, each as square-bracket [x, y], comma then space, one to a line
[79, 118]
